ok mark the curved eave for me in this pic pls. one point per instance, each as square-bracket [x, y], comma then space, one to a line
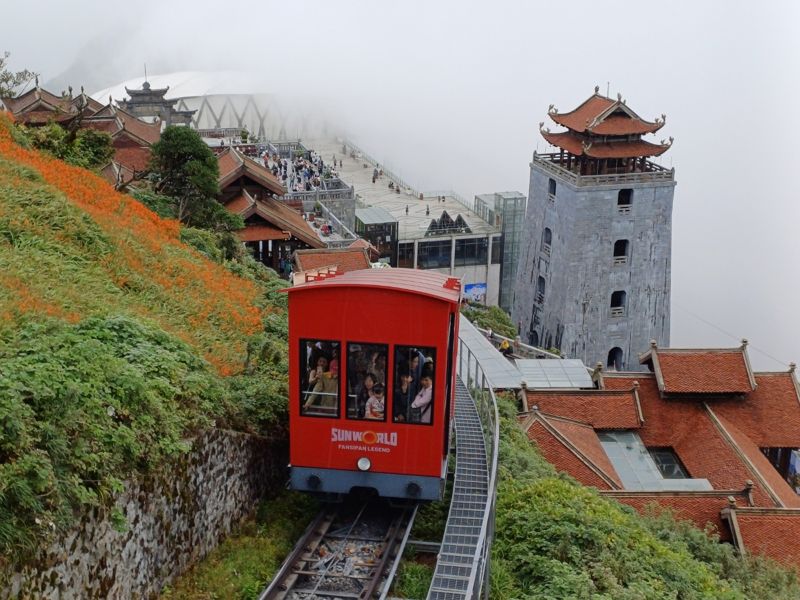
[624, 126]
[574, 145]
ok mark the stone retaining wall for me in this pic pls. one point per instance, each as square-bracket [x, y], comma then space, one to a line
[173, 519]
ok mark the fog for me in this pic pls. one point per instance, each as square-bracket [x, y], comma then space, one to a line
[450, 95]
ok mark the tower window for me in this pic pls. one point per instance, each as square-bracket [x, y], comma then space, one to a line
[551, 190]
[615, 359]
[621, 248]
[534, 338]
[624, 201]
[540, 286]
[547, 240]
[618, 300]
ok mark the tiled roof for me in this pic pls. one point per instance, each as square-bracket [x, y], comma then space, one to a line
[603, 116]
[233, 164]
[345, 259]
[134, 158]
[261, 232]
[599, 408]
[769, 415]
[584, 438]
[701, 371]
[115, 121]
[566, 457]
[239, 203]
[700, 508]
[760, 467]
[687, 428]
[284, 218]
[774, 533]
[148, 132]
[372, 250]
[625, 149]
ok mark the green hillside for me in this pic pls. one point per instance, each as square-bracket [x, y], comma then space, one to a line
[117, 340]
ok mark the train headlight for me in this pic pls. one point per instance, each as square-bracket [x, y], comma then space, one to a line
[364, 464]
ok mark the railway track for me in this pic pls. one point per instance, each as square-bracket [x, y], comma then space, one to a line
[350, 550]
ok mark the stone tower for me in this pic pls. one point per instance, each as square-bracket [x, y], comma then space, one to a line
[594, 272]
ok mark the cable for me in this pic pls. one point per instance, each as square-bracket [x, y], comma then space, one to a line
[729, 334]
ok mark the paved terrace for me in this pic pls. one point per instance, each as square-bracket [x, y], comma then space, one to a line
[411, 226]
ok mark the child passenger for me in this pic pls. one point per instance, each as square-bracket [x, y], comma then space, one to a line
[422, 402]
[376, 403]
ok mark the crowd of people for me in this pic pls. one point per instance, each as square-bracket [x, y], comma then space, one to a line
[367, 382]
[303, 173]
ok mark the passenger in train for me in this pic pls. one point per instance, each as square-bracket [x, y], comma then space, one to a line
[363, 395]
[326, 389]
[403, 395]
[319, 366]
[422, 404]
[376, 403]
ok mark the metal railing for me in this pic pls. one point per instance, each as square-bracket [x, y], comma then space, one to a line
[367, 158]
[520, 349]
[463, 564]
[471, 372]
[654, 173]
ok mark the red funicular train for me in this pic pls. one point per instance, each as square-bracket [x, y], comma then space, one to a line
[372, 374]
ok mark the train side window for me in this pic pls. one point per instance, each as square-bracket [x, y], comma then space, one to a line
[366, 381]
[319, 379]
[414, 374]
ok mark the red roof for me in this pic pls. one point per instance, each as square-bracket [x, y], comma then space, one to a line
[427, 283]
[239, 203]
[602, 409]
[261, 232]
[134, 158]
[771, 532]
[567, 457]
[603, 116]
[623, 149]
[233, 164]
[275, 213]
[345, 259]
[362, 243]
[700, 508]
[758, 464]
[769, 415]
[701, 371]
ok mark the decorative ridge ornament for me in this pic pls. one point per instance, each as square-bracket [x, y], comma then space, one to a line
[552, 109]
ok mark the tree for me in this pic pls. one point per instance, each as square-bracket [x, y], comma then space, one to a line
[187, 171]
[9, 80]
[85, 148]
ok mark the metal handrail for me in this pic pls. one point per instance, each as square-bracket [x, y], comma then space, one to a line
[535, 350]
[376, 163]
[486, 403]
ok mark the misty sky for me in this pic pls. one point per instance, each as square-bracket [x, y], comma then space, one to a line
[450, 94]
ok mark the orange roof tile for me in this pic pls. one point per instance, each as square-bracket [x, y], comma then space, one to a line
[584, 438]
[603, 116]
[260, 232]
[623, 149]
[774, 533]
[134, 158]
[760, 466]
[686, 426]
[233, 164]
[700, 508]
[599, 408]
[566, 457]
[284, 218]
[239, 203]
[770, 415]
[345, 259]
[682, 371]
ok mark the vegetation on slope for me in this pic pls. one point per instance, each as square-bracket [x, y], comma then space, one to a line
[557, 539]
[490, 317]
[117, 340]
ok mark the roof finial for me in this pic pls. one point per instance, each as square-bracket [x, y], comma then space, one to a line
[619, 97]
[744, 343]
[653, 344]
[82, 92]
[69, 91]
[597, 89]
[552, 109]
[792, 367]
[731, 502]
[37, 81]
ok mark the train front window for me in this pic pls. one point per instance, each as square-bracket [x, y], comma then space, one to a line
[366, 381]
[319, 378]
[414, 374]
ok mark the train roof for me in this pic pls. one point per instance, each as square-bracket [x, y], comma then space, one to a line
[410, 281]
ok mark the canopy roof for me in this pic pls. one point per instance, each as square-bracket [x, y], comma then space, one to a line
[579, 145]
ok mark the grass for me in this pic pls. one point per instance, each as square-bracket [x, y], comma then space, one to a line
[245, 562]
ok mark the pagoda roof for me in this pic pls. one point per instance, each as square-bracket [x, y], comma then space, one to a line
[40, 106]
[600, 115]
[578, 145]
[279, 215]
[114, 121]
[146, 90]
[233, 164]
